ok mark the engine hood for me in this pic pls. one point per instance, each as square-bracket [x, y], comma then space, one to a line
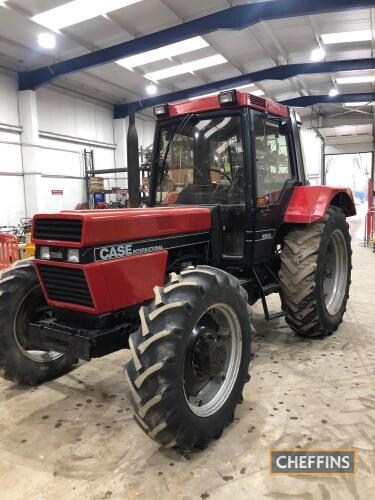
[82, 228]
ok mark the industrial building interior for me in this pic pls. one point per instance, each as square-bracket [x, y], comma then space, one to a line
[77, 79]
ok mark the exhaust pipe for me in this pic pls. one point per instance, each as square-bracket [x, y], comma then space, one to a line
[133, 160]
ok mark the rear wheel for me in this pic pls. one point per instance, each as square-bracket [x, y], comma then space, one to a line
[21, 302]
[190, 358]
[315, 275]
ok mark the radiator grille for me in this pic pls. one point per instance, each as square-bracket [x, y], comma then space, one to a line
[65, 284]
[58, 230]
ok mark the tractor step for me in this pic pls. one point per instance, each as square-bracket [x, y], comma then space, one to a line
[80, 343]
[273, 286]
[277, 315]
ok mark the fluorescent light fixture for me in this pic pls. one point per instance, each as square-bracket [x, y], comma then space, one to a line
[357, 104]
[202, 124]
[204, 95]
[174, 49]
[256, 92]
[151, 89]
[190, 67]
[215, 129]
[347, 36]
[246, 86]
[318, 54]
[333, 92]
[77, 11]
[250, 88]
[47, 40]
[355, 79]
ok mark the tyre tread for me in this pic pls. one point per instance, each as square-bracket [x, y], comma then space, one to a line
[153, 388]
[299, 261]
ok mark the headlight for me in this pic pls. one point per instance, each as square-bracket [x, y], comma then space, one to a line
[73, 255]
[45, 253]
[228, 97]
[161, 110]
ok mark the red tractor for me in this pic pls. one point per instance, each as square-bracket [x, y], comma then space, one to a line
[231, 220]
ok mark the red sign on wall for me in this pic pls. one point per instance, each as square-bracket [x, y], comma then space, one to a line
[57, 191]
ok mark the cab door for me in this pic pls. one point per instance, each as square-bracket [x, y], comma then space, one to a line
[275, 176]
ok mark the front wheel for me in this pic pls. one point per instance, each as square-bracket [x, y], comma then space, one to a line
[22, 302]
[315, 275]
[190, 358]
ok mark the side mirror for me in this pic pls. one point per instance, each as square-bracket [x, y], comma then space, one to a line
[285, 127]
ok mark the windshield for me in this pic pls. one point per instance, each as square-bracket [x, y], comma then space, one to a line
[201, 162]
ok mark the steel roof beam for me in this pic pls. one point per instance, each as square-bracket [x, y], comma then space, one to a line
[310, 100]
[235, 18]
[274, 73]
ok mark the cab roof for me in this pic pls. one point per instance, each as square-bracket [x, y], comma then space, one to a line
[242, 99]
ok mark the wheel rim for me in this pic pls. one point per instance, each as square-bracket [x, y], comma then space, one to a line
[212, 360]
[335, 273]
[31, 308]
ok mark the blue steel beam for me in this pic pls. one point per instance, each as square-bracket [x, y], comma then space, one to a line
[310, 100]
[275, 73]
[234, 18]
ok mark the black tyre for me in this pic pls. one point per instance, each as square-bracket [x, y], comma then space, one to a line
[190, 358]
[22, 301]
[315, 275]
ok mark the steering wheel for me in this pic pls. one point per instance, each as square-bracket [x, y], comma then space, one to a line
[215, 170]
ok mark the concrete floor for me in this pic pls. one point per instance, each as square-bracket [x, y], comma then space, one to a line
[74, 438]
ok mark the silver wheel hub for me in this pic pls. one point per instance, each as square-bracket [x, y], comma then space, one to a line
[212, 360]
[31, 307]
[335, 273]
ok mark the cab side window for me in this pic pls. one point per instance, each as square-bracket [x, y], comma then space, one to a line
[273, 164]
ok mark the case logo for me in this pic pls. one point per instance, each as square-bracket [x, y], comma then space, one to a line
[123, 250]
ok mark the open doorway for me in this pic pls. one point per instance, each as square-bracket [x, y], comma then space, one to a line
[352, 170]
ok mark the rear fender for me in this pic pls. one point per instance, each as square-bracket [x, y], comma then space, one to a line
[310, 203]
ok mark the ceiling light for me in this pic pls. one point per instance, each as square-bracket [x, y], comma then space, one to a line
[250, 88]
[347, 36]
[356, 104]
[151, 89]
[355, 79]
[258, 93]
[318, 54]
[174, 49]
[216, 128]
[77, 11]
[47, 40]
[333, 92]
[204, 95]
[190, 67]
[253, 91]
[246, 86]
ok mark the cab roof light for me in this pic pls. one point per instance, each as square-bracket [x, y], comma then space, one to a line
[161, 110]
[228, 97]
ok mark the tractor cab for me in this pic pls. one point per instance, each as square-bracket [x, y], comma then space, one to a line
[236, 152]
